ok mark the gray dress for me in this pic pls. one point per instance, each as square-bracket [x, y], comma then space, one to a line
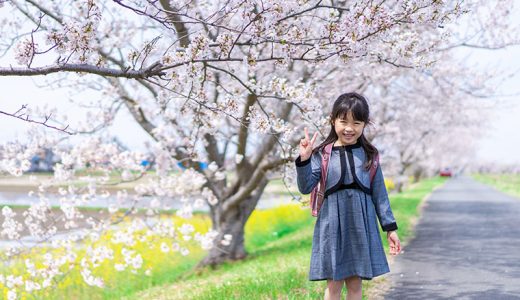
[346, 240]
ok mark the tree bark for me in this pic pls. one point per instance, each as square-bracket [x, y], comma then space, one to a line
[418, 173]
[231, 221]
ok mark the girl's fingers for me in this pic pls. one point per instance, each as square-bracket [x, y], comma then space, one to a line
[314, 138]
[306, 133]
[395, 245]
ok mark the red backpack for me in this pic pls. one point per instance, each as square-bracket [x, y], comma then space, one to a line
[318, 192]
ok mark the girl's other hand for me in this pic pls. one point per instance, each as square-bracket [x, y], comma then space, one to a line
[394, 243]
[306, 145]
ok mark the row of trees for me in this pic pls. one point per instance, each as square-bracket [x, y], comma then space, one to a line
[239, 79]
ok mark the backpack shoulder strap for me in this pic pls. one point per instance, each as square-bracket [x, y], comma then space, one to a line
[373, 167]
[318, 192]
[325, 157]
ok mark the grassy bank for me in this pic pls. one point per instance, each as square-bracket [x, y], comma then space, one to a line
[158, 267]
[507, 183]
[277, 267]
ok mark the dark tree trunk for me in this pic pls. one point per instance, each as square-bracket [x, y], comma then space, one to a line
[399, 187]
[399, 184]
[418, 174]
[231, 221]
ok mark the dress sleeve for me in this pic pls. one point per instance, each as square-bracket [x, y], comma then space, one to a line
[382, 202]
[308, 172]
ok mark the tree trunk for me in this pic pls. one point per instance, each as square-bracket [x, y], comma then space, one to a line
[231, 222]
[418, 174]
[399, 187]
[400, 182]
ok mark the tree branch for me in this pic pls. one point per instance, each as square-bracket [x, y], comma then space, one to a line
[84, 68]
[19, 115]
[252, 184]
[180, 27]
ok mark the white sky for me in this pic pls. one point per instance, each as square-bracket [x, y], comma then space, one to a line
[499, 143]
[16, 91]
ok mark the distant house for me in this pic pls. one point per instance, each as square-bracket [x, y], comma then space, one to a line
[148, 163]
[202, 165]
[43, 161]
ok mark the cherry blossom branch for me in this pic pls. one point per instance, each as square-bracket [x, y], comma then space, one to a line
[151, 71]
[252, 184]
[45, 11]
[19, 114]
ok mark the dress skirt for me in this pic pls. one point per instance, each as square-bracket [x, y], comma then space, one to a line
[346, 240]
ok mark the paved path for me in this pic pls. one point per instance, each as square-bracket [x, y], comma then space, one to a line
[467, 246]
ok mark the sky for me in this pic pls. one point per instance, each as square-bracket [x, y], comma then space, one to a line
[501, 140]
[498, 143]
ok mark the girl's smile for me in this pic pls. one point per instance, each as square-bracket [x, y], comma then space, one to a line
[348, 130]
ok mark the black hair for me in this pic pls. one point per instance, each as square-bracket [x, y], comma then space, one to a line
[358, 105]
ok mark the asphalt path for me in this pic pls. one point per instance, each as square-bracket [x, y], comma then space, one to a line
[466, 246]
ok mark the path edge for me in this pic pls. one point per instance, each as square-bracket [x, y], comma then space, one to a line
[382, 284]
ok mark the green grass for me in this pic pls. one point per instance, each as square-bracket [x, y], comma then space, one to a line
[405, 204]
[507, 183]
[277, 267]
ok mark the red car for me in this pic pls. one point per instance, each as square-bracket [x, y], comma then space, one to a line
[446, 172]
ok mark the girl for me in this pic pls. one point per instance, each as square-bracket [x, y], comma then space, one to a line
[346, 245]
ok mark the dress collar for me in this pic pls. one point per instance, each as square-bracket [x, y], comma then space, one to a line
[356, 145]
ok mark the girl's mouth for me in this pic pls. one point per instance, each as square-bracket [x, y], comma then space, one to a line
[348, 136]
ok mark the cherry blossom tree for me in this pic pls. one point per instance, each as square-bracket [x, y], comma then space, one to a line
[425, 123]
[230, 82]
[429, 119]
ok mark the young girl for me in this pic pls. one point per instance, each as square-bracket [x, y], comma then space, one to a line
[346, 245]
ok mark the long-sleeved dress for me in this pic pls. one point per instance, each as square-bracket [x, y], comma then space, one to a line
[346, 240]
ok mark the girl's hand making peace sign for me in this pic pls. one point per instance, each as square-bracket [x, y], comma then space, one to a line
[306, 145]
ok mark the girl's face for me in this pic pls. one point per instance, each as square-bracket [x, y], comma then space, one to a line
[348, 130]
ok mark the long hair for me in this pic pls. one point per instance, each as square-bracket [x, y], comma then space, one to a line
[358, 105]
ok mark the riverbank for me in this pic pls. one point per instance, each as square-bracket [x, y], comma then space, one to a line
[30, 182]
